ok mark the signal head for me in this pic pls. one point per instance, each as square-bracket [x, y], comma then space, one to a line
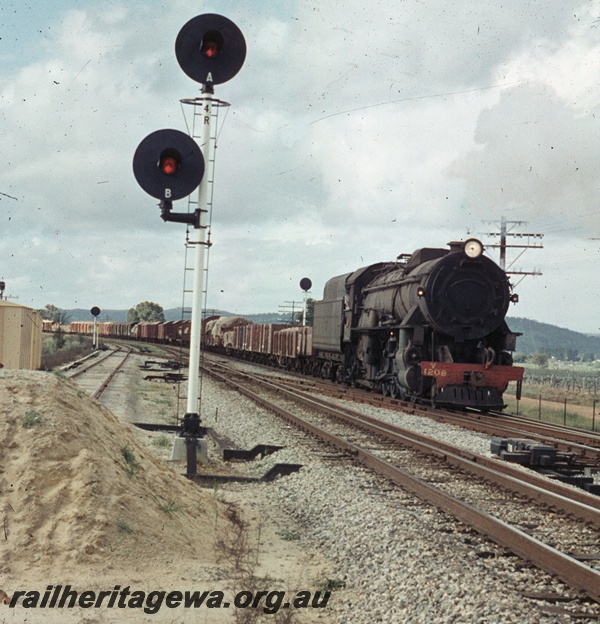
[305, 284]
[168, 164]
[210, 49]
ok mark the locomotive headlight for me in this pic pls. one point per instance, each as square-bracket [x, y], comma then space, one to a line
[473, 248]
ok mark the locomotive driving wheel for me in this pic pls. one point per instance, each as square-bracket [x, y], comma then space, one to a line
[326, 371]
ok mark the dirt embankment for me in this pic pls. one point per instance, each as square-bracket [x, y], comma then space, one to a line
[80, 499]
[84, 503]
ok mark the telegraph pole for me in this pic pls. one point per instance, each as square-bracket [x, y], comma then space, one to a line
[291, 308]
[526, 240]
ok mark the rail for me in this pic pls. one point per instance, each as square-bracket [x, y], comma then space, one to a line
[573, 572]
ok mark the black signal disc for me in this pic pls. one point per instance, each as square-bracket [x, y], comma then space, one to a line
[305, 284]
[154, 180]
[210, 49]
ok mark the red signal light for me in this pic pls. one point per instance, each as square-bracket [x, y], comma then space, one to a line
[210, 49]
[212, 44]
[169, 165]
[169, 161]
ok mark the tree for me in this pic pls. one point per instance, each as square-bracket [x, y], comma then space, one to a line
[539, 359]
[310, 311]
[146, 312]
[50, 313]
[59, 318]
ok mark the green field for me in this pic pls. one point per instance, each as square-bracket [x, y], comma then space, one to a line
[546, 388]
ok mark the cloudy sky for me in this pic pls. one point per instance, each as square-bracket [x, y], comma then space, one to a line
[357, 131]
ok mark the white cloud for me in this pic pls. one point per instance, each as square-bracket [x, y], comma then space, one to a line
[356, 132]
[535, 155]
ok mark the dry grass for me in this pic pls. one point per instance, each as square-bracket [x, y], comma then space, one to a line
[241, 558]
[74, 348]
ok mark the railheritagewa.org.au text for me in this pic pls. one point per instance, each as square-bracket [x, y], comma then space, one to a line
[151, 602]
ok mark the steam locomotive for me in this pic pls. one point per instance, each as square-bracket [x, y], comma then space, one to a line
[428, 326]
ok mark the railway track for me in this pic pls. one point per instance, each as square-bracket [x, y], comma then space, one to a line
[95, 374]
[555, 528]
[585, 444]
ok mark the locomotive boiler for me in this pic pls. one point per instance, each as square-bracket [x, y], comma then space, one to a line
[428, 326]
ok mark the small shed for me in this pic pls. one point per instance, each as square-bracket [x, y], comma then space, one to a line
[20, 336]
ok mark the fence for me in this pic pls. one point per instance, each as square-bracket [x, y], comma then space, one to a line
[575, 415]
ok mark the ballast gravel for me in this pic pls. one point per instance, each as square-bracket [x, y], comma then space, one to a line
[393, 558]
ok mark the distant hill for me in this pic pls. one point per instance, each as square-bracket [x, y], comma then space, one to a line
[562, 343]
[537, 337]
[172, 314]
[78, 314]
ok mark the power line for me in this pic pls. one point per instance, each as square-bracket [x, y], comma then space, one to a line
[292, 308]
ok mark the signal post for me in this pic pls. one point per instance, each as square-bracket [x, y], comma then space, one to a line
[168, 165]
[191, 419]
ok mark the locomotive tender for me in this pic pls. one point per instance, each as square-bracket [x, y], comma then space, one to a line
[429, 326]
